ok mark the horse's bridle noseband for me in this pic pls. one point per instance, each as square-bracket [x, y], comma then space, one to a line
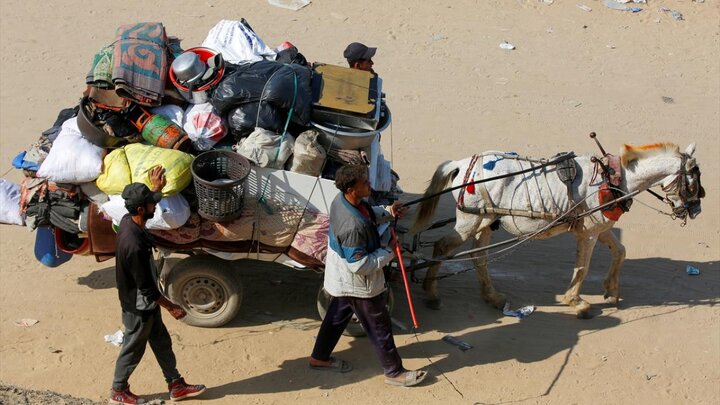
[689, 194]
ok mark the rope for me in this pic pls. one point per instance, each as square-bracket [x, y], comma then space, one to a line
[261, 198]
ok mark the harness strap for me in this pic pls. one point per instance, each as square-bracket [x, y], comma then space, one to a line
[470, 186]
[509, 211]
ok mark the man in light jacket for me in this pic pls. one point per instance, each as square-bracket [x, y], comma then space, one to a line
[355, 280]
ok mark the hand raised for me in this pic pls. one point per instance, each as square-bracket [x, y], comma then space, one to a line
[157, 178]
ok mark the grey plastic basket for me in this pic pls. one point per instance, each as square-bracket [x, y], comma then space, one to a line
[219, 178]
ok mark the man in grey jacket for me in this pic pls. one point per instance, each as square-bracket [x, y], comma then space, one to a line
[354, 278]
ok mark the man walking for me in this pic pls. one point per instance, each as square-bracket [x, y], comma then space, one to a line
[354, 278]
[140, 298]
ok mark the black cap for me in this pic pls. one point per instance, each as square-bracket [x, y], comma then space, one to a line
[356, 51]
[138, 194]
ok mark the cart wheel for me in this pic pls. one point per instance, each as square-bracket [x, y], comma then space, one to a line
[354, 328]
[206, 288]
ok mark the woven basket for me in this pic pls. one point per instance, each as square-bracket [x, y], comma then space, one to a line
[219, 178]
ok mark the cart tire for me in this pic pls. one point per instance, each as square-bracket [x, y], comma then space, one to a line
[354, 328]
[206, 289]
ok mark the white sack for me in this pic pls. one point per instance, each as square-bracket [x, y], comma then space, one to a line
[204, 126]
[170, 213]
[308, 155]
[10, 203]
[261, 147]
[72, 159]
[237, 43]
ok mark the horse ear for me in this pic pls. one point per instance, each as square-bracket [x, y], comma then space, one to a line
[690, 149]
[690, 164]
[627, 155]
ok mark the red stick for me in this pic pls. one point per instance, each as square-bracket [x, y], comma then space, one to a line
[404, 274]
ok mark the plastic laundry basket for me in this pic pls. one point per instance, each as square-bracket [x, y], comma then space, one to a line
[219, 178]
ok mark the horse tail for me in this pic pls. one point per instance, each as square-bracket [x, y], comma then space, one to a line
[443, 175]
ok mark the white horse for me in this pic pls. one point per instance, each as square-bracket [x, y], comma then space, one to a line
[539, 205]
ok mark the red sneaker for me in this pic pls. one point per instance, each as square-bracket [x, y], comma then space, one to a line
[179, 389]
[124, 397]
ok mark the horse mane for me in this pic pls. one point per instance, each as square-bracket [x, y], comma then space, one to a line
[630, 152]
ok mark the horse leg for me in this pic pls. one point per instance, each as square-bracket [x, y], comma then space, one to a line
[612, 281]
[488, 292]
[442, 247]
[585, 245]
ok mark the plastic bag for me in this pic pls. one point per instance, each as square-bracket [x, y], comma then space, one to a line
[170, 213]
[244, 119]
[204, 126]
[10, 203]
[291, 81]
[266, 149]
[237, 42]
[132, 163]
[72, 158]
[172, 112]
[271, 82]
[116, 173]
[308, 155]
[244, 85]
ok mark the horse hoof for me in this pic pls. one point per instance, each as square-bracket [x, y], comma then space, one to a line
[584, 315]
[611, 300]
[497, 300]
[433, 304]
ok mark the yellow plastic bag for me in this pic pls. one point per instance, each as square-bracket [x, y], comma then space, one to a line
[132, 164]
[116, 173]
[142, 158]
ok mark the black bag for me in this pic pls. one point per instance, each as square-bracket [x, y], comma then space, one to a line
[243, 119]
[269, 81]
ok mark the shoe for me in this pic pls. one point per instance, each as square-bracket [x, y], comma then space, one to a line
[337, 365]
[410, 379]
[179, 389]
[124, 397]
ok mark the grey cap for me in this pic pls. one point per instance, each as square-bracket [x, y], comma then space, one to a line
[356, 51]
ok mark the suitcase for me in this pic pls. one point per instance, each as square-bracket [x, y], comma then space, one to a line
[345, 97]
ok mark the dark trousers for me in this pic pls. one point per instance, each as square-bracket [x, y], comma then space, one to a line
[374, 317]
[139, 330]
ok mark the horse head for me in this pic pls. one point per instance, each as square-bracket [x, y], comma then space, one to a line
[684, 189]
[682, 186]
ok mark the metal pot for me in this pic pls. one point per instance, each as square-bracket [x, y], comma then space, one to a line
[188, 68]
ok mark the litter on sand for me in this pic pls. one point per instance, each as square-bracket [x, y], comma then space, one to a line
[26, 322]
[673, 13]
[518, 313]
[464, 346]
[584, 7]
[293, 5]
[116, 338]
[692, 271]
[615, 5]
[508, 46]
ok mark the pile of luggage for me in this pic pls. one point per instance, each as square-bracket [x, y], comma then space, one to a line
[149, 102]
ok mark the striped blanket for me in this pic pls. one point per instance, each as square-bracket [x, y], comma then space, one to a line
[140, 63]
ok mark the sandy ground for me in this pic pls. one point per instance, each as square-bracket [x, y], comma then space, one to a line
[453, 92]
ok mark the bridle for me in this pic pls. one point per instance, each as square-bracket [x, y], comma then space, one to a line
[689, 192]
